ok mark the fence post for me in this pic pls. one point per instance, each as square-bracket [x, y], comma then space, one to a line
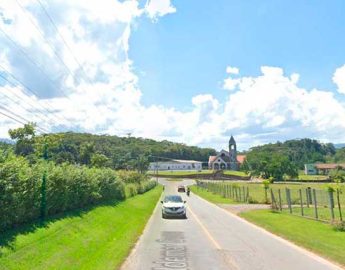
[273, 201]
[331, 203]
[339, 205]
[247, 199]
[280, 200]
[307, 197]
[301, 202]
[239, 192]
[288, 199]
[315, 204]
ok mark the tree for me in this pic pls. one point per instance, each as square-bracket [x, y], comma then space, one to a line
[86, 152]
[141, 164]
[99, 160]
[267, 164]
[24, 138]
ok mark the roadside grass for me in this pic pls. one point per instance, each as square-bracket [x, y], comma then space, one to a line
[257, 191]
[304, 177]
[97, 239]
[236, 173]
[313, 235]
[210, 196]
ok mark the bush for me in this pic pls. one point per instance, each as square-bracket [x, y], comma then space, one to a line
[339, 225]
[67, 187]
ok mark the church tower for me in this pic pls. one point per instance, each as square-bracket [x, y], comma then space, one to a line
[233, 154]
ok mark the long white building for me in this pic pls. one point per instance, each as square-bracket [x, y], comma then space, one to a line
[176, 165]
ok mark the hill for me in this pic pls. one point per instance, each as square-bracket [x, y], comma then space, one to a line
[117, 152]
[300, 151]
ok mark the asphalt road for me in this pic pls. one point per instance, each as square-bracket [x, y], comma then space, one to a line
[211, 238]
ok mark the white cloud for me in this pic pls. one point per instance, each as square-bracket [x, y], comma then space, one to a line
[339, 79]
[232, 70]
[258, 109]
[159, 8]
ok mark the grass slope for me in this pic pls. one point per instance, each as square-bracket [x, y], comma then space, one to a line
[98, 239]
[210, 196]
[313, 235]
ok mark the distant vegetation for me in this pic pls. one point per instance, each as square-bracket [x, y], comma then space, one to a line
[280, 160]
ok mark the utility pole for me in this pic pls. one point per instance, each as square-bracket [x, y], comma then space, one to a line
[44, 183]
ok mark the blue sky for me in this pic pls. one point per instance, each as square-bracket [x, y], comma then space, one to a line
[186, 53]
[182, 70]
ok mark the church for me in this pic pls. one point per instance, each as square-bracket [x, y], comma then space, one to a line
[227, 160]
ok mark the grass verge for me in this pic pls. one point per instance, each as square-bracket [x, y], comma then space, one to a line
[210, 196]
[313, 235]
[98, 239]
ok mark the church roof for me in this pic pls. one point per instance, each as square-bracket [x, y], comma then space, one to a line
[241, 158]
[232, 140]
[212, 158]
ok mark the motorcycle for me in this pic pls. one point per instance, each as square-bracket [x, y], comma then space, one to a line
[188, 193]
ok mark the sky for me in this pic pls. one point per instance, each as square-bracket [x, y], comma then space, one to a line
[188, 71]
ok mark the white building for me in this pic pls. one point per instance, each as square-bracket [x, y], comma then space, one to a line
[176, 165]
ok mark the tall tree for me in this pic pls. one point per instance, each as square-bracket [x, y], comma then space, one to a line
[24, 138]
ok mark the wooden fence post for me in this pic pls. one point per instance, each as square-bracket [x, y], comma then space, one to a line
[315, 204]
[307, 197]
[339, 205]
[301, 202]
[280, 200]
[288, 199]
[331, 204]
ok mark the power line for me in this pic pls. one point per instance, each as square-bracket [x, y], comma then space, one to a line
[27, 88]
[10, 98]
[22, 118]
[63, 39]
[45, 39]
[16, 120]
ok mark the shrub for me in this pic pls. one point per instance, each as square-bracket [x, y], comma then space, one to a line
[339, 225]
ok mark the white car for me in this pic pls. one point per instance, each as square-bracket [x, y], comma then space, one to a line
[173, 206]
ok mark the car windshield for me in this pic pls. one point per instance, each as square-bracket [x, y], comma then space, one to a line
[173, 199]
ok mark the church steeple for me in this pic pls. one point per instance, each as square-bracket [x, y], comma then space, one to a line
[233, 153]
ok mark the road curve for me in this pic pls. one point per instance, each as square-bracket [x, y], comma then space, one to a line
[211, 238]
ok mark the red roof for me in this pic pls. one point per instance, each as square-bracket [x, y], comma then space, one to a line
[241, 158]
[212, 158]
[329, 166]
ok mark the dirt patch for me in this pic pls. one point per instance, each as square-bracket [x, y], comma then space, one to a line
[239, 208]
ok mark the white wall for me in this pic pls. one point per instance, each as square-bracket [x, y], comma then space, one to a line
[173, 166]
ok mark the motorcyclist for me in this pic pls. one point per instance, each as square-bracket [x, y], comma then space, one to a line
[188, 191]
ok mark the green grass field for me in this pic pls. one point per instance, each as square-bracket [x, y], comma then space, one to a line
[315, 236]
[100, 238]
[207, 195]
[303, 177]
[257, 192]
[236, 173]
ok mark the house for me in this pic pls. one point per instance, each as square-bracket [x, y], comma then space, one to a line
[227, 160]
[321, 168]
[176, 165]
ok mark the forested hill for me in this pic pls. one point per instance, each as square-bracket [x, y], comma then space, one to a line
[117, 152]
[300, 151]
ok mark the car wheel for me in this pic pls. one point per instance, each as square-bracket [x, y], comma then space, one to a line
[185, 216]
[163, 216]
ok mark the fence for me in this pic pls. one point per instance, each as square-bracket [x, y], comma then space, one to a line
[319, 204]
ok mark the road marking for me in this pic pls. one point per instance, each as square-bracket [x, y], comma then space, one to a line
[227, 259]
[306, 252]
[210, 237]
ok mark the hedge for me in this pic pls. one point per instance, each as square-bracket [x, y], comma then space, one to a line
[68, 187]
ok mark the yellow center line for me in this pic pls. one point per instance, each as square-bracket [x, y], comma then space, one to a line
[210, 237]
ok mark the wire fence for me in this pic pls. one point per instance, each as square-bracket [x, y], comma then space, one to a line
[324, 205]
